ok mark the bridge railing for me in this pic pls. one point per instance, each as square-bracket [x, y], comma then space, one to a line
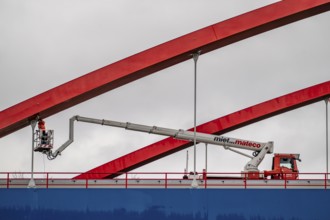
[166, 180]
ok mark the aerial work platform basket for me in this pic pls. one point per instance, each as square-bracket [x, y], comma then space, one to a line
[44, 140]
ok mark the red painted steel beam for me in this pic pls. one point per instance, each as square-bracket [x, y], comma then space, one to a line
[157, 58]
[218, 126]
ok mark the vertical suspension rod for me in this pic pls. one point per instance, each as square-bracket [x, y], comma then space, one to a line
[33, 125]
[327, 134]
[195, 57]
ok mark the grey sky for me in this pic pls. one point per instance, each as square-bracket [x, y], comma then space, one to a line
[46, 43]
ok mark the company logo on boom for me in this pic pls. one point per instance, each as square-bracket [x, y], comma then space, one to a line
[248, 143]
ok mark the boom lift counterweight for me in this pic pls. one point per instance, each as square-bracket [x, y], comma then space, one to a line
[280, 169]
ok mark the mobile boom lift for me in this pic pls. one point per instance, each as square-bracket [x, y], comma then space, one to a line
[284, 165]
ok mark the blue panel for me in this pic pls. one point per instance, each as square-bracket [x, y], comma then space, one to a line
[161, 204]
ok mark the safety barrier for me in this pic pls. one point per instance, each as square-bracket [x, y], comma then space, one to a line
[163, 180]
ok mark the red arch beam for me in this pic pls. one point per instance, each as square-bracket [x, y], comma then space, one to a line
[157, 58]
[218, 126]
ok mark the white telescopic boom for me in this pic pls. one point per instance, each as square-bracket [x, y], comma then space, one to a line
[261, 149]
[182, 134]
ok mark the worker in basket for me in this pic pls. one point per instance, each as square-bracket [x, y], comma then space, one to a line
[43, 132]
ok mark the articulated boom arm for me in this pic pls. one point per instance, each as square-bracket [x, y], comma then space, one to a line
[181, 134]
[260, 149]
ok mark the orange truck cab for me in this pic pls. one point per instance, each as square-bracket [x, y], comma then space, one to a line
[284, 167]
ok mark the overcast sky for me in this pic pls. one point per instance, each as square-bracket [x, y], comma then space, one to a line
[45, 43]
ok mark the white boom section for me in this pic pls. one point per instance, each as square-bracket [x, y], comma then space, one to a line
[260, 148]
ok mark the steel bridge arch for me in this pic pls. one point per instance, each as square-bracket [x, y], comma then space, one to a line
[217, 126]
[157, 58]
[167, 54]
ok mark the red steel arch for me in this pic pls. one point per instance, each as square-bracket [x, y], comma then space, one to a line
[219, 126]
[157, 58]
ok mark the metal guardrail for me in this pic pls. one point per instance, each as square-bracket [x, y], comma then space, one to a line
[168, 180]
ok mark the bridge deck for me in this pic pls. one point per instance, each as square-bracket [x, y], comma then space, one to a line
[169, 183]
